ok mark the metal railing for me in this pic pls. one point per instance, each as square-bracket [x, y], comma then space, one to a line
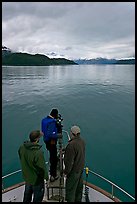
[112, 185]
[66, 133]
[15, 172]
[96, 174]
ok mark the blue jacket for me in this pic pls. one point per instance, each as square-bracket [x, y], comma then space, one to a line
[49, 128]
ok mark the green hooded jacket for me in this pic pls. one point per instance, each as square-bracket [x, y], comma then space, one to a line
[33, 163]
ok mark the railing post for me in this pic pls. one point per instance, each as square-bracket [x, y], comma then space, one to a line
[2, 186]
[112, 191]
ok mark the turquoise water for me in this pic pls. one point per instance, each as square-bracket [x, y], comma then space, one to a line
[98, 98]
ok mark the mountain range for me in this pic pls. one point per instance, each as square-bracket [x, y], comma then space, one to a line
[10, 58]
[105, 61]
[25, 59]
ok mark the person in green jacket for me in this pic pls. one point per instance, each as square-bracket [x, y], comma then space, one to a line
[74, 160]
[34, 169]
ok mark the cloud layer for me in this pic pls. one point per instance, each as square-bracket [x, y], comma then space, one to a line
[70, 29]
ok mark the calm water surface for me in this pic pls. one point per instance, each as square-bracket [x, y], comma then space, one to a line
[98, 98]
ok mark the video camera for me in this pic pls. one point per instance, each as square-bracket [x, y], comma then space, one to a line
[59, 123]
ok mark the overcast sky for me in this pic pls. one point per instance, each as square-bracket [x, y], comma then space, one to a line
[70, 29]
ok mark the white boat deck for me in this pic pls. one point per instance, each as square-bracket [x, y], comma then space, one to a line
[55, 191]
[15, 194]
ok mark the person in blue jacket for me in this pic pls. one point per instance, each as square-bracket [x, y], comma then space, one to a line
[49, 129]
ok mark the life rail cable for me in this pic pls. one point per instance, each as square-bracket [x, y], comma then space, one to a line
[92, 172]
[113, 185]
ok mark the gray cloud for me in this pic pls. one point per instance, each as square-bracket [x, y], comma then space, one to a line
[71, 29]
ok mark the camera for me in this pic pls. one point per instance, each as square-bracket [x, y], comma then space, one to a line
[59, 123]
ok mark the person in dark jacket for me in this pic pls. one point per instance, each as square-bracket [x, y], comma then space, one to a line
[74, 160]
[34, 169]
[49, 129]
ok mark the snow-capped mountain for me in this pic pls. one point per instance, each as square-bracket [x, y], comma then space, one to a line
[6, 50]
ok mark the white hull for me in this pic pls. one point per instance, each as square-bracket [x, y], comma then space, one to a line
[53, 192]
[15, 194]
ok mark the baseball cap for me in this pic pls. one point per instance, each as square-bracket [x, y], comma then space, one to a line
[35, 134]
[75, 130]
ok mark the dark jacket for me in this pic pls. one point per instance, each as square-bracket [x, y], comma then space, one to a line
[74, 157]
[49, 128]
[33, 163]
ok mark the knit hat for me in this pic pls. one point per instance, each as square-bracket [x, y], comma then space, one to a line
[75, 130]
[35, 134]
[54, 113]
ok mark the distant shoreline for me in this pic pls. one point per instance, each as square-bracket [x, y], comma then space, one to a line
[10, 58]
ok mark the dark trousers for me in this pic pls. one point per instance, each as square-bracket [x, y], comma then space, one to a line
[36, 191]
[74, 187]
[52, 148]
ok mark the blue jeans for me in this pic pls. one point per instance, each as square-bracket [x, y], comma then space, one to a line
[36, 191]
